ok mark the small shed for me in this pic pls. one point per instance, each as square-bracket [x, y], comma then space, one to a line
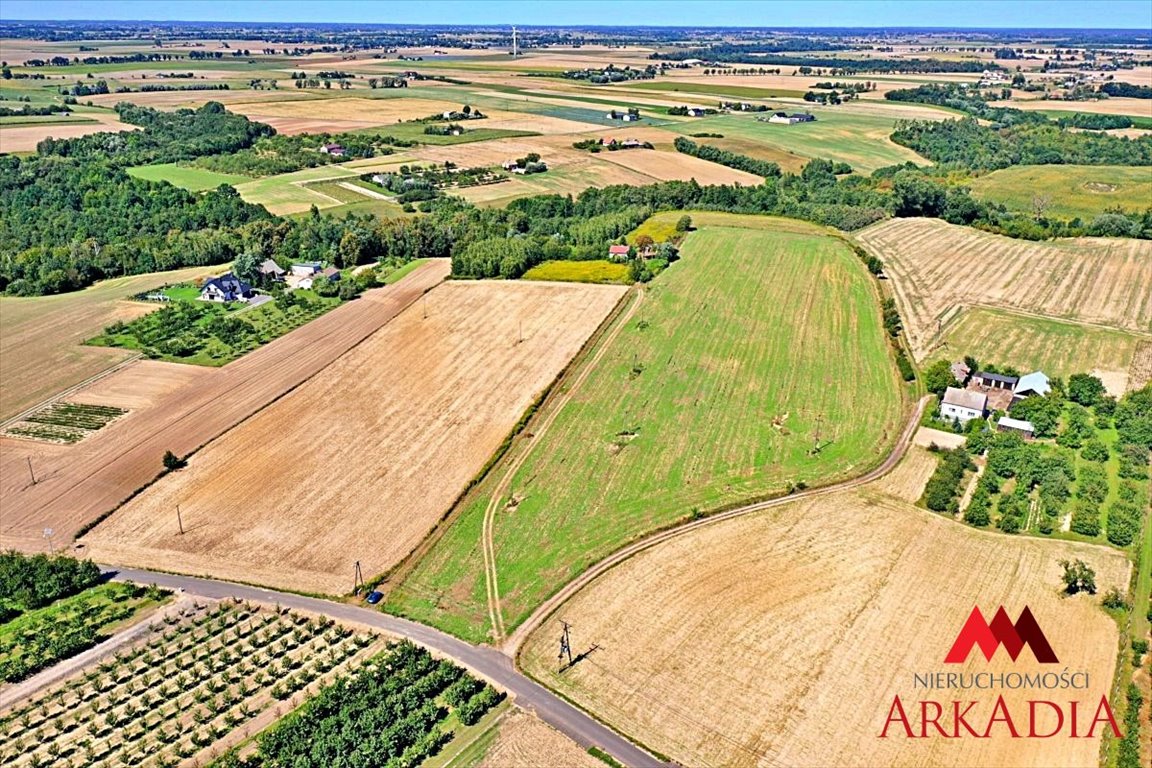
[1008, 424]
[272, 270]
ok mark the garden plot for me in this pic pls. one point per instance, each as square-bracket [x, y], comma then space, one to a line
[63, 422]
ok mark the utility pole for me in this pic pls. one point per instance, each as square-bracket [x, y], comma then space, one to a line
[424, 304]
[565, 645]
[30, 472]
[48, 532]
[179, 520]
[816, 439]
[359, 580]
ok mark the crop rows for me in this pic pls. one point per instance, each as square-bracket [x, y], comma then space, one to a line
[65, 422]
[194, 680]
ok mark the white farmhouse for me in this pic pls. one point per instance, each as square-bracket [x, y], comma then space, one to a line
[963, 405]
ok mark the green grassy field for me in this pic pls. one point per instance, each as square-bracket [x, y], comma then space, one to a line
[738, 91]
[1058, 348]
[598, 271]
[11, 121]
[192, 179]
[1067, 190]
[838, 134]
[415, 132]
[712, 394]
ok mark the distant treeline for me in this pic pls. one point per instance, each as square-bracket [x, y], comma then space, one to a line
[1127, 90]
[832, 64]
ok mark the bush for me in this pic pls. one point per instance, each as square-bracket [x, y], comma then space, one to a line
[1113, 599]
[34, 581]
[1095, 451]
[172, 462]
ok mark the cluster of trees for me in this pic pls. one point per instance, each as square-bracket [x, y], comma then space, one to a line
[28, 110]
[967, 144]
[725, 51]
[849, 87]
[1094, 121]
[1127, 90]
[389, 712]
[271, 155]
[724, 157]
[830, 97]
[465, 112]
[942, 492]
[28, 582]
[610, 74]
[682, 110]
[740, 54]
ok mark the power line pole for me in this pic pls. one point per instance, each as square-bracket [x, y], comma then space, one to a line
[358, 583]
[816, 439]
[565, 645]
[179, 520]
[30, 472]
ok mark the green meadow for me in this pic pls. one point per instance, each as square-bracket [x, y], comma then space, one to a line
[751, 349]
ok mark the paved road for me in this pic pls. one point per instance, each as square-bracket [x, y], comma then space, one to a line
[540, 615]
[488, 663]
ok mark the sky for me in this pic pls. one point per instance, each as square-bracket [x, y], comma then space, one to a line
[1130, 14]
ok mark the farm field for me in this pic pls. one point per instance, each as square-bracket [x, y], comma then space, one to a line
[1057, 347]
[598, 271]
[669, 166]
[710, 394]
[861, 140]
[739, 645]
[1110, 106]
[1098, 281]
[521, 740]
[1067, 190]
[718, 89]
[192, 179]
[78, 484]
[25, 136]
[364, 464]
[41, 337]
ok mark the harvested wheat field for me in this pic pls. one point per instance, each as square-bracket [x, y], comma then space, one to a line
[525, 741]
[669, 166]
[781, 638]
[24, 138]
[91, 478]
[41, 337]
[937, 267]
[360, 461]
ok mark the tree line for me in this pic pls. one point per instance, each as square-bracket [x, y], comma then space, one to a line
[724, 157]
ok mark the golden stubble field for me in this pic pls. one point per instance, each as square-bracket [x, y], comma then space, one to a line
[937, 268]
[781, 638]
[360, 461]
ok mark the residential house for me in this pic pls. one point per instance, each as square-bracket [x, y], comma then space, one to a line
[618, 252]
[627, 117]
[1008, 424]
[271, 270]
[335, 150]
[510, 165]
[227, 287]
[963, 405]
[695, 112]
[331, 273]
[1035, 383]
[631, 143]
[307, 268]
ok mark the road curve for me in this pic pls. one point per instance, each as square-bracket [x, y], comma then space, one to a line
[514, 642]
[486, 662]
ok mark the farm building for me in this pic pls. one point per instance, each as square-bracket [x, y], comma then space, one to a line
[272, 270]
[960, 371]
[1035, 383]
[627, 117]
[786, 119]
[963, 405]
[331, 273]
[333, 149]
[227, 287]
[995, 380]
[1008, 424]
[307, 268]
[618, 252]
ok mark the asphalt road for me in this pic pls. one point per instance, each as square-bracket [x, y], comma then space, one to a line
[488, 663]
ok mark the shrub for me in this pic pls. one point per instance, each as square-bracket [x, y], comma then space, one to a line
[1078, 576]
[1113, 599]
[1095, 451]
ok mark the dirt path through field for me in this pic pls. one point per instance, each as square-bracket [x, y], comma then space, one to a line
[538, 430]
[79, 485]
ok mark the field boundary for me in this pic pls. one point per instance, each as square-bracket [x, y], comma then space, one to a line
[398, 572]
[71, 390]
[516, 640]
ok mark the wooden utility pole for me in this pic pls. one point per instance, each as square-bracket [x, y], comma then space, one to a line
[565, 645]
[179, 520]
[358, 582]
[816, 439]
[30, 472]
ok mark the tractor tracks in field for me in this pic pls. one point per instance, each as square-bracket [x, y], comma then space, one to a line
[563, 396]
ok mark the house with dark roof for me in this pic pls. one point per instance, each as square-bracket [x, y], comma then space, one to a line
[227, 287]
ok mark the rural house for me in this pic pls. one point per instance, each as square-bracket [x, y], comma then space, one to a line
[227, 287]
[271, 270]
[627, 117]
[963, 405]
[786, 119]
[331, 273]
[618, 252]
[1035, 383]
[1008, 424]
[333, 149]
